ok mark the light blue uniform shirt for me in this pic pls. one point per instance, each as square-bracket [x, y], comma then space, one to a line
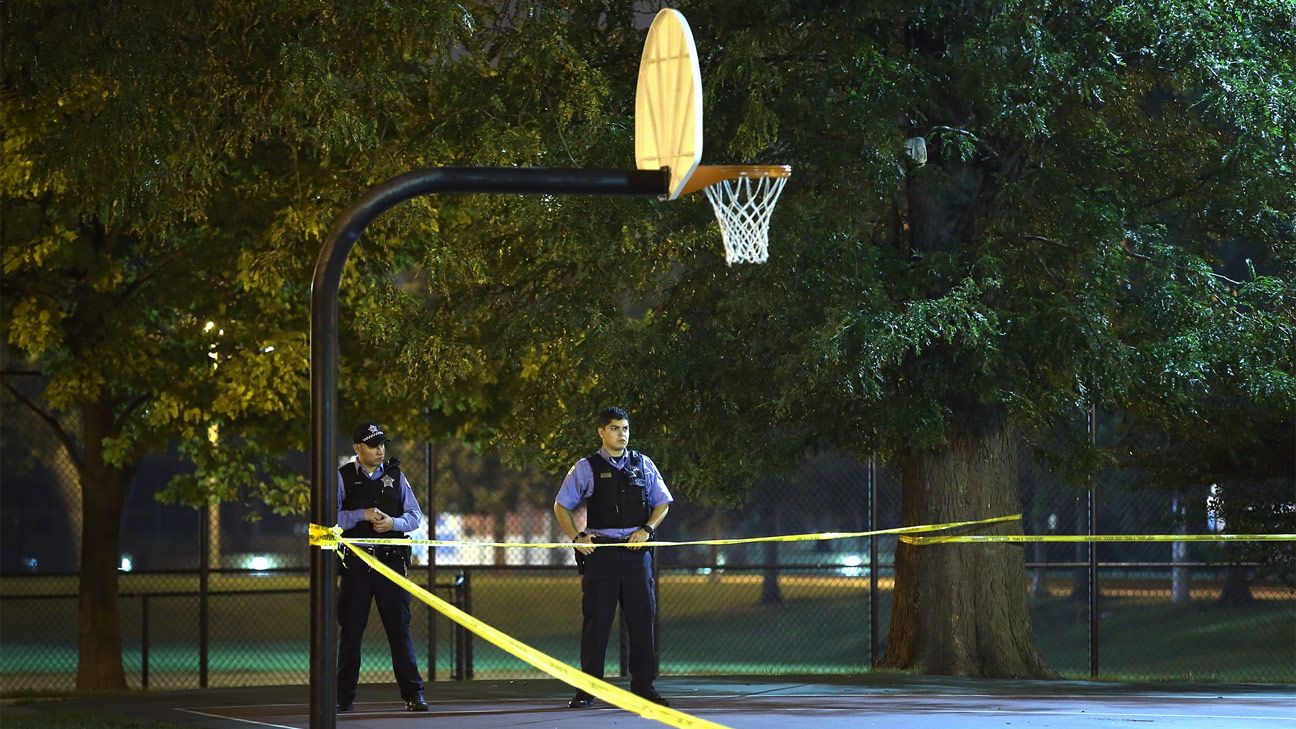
[579, 486]
[405, 522]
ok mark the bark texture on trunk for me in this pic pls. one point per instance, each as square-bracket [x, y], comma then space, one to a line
[103, 488]
[961, 609]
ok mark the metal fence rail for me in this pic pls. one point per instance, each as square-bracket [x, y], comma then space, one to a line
[735, 619]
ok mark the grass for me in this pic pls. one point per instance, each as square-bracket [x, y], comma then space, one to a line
[1194, 642]
[710, 625]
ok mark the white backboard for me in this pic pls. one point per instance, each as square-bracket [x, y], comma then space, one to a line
[668, 102]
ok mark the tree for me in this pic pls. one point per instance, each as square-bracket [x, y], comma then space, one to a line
[1057, 251]
[471, 481]
[1243, 453]
[169, 173]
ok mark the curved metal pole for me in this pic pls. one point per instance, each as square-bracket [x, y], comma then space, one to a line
[324, 353]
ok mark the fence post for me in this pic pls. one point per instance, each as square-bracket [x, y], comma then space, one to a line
[429, 480]
[456, 671]
[1092, 422]
[656, 615]
[457, 632]
[204, 575]
[468, 635]
[871, 478]
[144, 641]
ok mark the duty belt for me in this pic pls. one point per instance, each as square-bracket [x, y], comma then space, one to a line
[384, 551]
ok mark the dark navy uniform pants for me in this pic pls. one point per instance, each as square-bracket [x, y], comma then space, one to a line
[360, 586]
[616, 575]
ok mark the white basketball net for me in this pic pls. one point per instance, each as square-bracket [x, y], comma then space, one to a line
[743, 207]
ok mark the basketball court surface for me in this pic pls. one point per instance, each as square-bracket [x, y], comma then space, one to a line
[874, 700]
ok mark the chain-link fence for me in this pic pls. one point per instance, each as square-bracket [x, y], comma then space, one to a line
[209, 598]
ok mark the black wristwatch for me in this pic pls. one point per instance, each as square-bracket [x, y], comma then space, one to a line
[652, 533]
[578, 536]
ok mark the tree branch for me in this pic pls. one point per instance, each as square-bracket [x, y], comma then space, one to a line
[984, 145]
[50, 420]
[129, 409]
[1126, 251]
[1145, 257]
[139, 282]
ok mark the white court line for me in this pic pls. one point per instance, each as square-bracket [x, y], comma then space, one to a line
[353, 712]
[358, 703]
[995, 712]
[1008, 710]
[1059, 712]
[884, 694]
[882, 691]
[231, 718]
[871, 695]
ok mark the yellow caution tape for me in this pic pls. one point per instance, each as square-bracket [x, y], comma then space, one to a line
[331, 538]
[323, 536]
[543, 661]
[1021, 538]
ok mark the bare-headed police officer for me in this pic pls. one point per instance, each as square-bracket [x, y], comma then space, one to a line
[626, 500]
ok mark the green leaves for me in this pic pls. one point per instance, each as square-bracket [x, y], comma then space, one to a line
[1097, 176]
[36, 325]
[171, 167]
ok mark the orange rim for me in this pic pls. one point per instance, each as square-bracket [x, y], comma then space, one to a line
[707, 175]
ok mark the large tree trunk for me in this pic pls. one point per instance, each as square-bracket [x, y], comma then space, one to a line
[1180, 590]
[1237, 589]
[67, 482]
[103, 488]
[771, 594]
[499, 524]
[961, 609]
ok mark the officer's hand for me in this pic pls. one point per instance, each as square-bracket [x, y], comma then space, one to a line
[585, 544]
[639, 536]
[385, 524]
[374, 514]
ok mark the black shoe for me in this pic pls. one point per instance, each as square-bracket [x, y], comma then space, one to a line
[581, 700]
[652, 696]
[416, 702]
[344, 705]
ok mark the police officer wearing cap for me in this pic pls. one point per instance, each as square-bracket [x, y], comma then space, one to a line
[375, 501]
[626, 501]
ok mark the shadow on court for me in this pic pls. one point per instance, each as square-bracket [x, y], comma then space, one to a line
[891, 701]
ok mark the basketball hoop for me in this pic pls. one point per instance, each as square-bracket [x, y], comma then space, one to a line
[668, 135]
[743, 198]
